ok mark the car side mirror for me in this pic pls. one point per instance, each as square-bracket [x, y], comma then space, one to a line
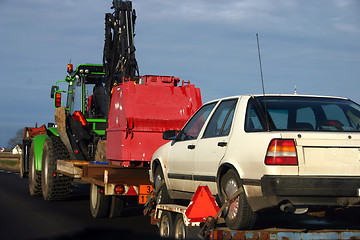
[53, 90]
[170, 134]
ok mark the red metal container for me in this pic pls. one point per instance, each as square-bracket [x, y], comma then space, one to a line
[140, 113]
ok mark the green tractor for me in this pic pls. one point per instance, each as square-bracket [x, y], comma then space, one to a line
[80, 125]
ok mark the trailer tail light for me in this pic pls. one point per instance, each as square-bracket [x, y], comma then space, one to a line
[57, 100]
[281, 152]
[119, 189]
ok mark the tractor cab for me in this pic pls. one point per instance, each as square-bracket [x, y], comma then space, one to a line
[85, 92]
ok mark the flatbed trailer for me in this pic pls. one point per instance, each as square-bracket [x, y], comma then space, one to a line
[113, 180]
[175, 221]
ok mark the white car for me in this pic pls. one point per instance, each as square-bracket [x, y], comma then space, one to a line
[293, 152]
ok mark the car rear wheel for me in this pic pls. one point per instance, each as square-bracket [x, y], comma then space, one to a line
[238, 215]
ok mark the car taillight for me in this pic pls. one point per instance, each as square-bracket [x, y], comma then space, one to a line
[281, 152]
[57, 100]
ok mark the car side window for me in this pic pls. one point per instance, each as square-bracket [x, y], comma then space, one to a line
[220, 122]
[253, 120]
[194, 126]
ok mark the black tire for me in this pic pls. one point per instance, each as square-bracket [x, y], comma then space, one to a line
[163, 195]
[54, 186]
[34, 175]
[166, 227]
[238, 215]
[22, 173]
[117, 206]
[183, 232]
[25, 159]
[99, 202]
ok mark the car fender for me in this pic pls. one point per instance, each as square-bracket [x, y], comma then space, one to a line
[38, 149]
[160, 158]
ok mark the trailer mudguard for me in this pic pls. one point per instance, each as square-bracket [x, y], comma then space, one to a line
[38, 150]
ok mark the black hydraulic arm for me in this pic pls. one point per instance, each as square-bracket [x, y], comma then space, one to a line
[119, 50]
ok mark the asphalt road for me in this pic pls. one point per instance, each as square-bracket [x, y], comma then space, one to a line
[25, 217]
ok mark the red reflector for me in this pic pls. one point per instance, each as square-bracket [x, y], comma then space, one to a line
[76, 151]
[281, 152]
[57, 100]
[78, 116]
[119, 189]
[101, 191]
[202, 205]
[131, 191]
[54, 174]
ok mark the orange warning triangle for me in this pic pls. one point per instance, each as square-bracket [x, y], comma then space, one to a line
[202, 205]
[131, 191]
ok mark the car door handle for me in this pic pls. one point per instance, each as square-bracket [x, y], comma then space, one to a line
[191, 146]
[222, 144]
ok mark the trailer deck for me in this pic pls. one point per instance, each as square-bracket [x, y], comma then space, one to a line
[134, 180]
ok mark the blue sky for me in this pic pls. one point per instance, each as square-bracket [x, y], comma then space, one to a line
[313, 45]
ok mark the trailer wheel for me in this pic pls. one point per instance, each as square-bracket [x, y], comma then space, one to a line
[99, 202]
[34, 175]
[184, 232]
[163, 195]
[166, 227]
[180, 228]
[117, 206]
[54, 186]
[238, 215]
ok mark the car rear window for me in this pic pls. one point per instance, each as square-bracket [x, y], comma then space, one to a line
[287, 113]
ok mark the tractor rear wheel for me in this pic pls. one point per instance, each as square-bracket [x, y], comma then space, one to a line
[54, 186]
[34, 175]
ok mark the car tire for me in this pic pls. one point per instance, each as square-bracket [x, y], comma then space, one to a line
[238, 215]
[163, 195]
[34, 175]
[54, 186]
[99, 202]
[166, 227]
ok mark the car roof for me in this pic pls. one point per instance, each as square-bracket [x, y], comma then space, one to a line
[275, 95]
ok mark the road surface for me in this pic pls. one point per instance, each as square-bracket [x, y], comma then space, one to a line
[25, 217]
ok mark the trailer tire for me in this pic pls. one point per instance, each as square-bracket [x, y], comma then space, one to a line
[182, 231]
[99, 202]
[163, 195]
[34, 175]
[166, 228]
[117, 206]
[238, 215]
[54, 186]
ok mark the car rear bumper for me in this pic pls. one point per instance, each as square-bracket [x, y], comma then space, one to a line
[310, 186]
